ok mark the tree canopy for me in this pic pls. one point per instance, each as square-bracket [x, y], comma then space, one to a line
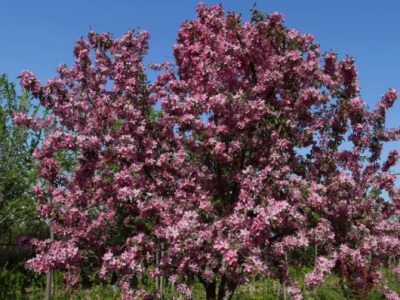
[262, 149]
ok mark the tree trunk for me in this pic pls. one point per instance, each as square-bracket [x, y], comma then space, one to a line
[161, 278]
[226, 289]
[49, 293]
[210, 288]
[211, 291]
[49, 285]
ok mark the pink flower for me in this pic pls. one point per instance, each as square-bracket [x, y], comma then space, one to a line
[30, 82]
[389, 97]
[231, 257]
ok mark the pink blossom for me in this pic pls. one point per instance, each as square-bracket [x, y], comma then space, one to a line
[231, 257]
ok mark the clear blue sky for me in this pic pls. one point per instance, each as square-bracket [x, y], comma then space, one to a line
[39, 35]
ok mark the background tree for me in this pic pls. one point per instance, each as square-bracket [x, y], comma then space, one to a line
[262, 149]
[18, 174]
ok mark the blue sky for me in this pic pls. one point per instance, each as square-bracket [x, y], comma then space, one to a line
[39, 35]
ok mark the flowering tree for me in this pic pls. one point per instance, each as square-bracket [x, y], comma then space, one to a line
[262, 149]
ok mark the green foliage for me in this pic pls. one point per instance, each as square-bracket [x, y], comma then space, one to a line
[21, 285]
[154, 114]
[18, 172]
[324, 293]
[376, 295]
[15, 284]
